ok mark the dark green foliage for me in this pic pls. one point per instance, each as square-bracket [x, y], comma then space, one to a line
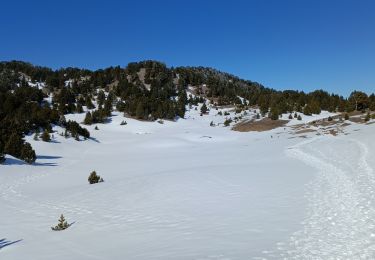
[2, 158]
[94, 178]
[346, 117]
[204, 108]
[290, 116]
[96, 128]
[299, 117]
[88, 119]
[358, 100]
[76, 130]
[27, 153]
[46, 136]
[330, 118]
[274, 113]
[368, 117]
[228, 121]
[62, 225]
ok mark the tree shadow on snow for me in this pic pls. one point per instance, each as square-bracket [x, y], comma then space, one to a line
[9, 161]
[94, 139]
[48, 157]
[44, 164]
[4, 242]
[13, 161]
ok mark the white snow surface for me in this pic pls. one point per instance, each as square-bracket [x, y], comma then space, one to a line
[185, 190]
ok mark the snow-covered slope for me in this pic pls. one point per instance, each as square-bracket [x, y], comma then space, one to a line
[186, 190]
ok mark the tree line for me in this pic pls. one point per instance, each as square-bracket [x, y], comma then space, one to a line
[146, 90]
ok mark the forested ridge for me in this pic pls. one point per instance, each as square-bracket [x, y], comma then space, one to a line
[34, 98]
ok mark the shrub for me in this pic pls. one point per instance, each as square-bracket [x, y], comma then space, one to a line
[204, 108]
[123, 122]
[63, 224]
[227, 121]
[299, 117]
[330, 118]
[45, 136]
[94, 178]
[346, 117]
[290, 116]
[368, 117]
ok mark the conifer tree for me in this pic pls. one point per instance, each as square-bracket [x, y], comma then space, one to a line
[88, 118]
[27, 153]
[140, 111]
[63, 224]
[204, 108]
[94, 178]
[14, 145]
[46, 136]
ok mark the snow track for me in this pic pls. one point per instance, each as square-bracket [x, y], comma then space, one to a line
[340, 221]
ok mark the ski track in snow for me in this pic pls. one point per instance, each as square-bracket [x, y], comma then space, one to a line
[340, 221]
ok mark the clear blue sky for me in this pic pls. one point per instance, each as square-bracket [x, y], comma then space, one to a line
[301, 44]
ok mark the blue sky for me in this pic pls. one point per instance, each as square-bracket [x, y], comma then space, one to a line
[300, 44]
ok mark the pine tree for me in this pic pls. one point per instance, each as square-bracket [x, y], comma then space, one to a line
[46, 136]
[63, 224]
[88, 119]
[14, 145]
[204, 108]
[299, 117]
[27, 153]
[139, 113]
[94, 178]
[368, 117]
[290, 117]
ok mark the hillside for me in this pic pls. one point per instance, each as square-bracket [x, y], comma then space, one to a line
[35, 98]
[195, 164]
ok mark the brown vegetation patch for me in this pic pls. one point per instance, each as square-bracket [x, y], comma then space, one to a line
[307, 130]
[259, 126]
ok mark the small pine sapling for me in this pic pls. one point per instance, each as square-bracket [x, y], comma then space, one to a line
[63, 224]
[94, 178]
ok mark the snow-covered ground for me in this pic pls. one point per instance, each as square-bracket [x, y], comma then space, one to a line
[186, 190]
